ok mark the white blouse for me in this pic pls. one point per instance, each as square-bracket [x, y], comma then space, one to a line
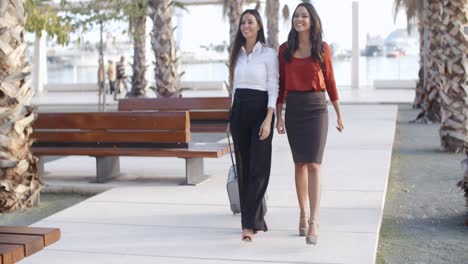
[259, 71]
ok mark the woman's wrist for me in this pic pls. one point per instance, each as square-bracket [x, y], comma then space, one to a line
[270, 113]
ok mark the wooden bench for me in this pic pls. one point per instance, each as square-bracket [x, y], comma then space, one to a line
[108, 135]
[16, 243]
[207, 114]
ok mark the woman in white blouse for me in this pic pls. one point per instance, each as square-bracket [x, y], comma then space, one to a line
[253, 77]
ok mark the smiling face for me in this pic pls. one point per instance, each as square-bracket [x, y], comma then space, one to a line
[301, 19]
[249, 26]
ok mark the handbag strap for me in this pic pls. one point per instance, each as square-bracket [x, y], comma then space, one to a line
[230, 151]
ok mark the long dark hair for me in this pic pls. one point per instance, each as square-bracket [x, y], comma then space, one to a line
[315, 35]
[240, 41]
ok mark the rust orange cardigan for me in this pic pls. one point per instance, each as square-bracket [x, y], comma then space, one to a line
[302, 74]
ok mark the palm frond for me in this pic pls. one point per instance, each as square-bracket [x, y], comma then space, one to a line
[180, 5]
[413, 9]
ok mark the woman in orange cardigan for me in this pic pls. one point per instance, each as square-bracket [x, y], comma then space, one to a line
[305, 74]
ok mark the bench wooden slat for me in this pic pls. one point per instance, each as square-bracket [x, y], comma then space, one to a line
[114, 120]
[132, 104]
[30, 244]
[49, 235]
[113, 136]
[209, 115]
[10, 254]
[195, 150]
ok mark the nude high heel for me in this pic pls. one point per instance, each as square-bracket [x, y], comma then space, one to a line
[303, 225]
[312, 239]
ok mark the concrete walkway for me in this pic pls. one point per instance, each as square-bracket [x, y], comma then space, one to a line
[146, 217]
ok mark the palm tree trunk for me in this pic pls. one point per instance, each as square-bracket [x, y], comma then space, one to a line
[430, 97]
[234, 11]
[19, 183]
[420, 92]
[454, 88]
[139, 82]
[454, 73]
[272, 13]
[162, 41]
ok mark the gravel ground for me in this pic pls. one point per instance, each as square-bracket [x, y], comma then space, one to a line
[50, 204]
[424, 211]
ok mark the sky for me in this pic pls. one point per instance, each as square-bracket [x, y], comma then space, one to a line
[202, 25]
[205, 24]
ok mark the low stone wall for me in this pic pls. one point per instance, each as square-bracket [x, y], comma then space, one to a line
[394, 84]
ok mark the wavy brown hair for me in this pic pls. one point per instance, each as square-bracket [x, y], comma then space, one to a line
[315, 35]
[239, 41]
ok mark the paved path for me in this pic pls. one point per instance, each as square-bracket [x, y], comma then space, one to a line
[146, 217]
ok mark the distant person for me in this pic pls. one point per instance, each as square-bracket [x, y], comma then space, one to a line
[111, 75]
[253, 78]
[306, 73]
[100, 78]
[121, 77]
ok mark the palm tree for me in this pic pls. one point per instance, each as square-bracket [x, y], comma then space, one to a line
[418, 98]
[447, 67]
[416, 14]
[167, 75]
[19, 183]
[430, 97]
[453, 88]
[233, 10]
[137, 11]
[272, 14]
[426, 96]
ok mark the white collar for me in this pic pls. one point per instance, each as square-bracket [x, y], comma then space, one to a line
[258, 46]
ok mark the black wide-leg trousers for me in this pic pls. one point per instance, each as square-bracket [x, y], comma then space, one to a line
[253, 156]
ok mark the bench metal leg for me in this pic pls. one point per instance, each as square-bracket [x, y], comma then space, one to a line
[40, 166]
[107, 168]
[36, 200]
[194, 171]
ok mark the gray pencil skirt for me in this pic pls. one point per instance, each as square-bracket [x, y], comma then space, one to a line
[306, 121]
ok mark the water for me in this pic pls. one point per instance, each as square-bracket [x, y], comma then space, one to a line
[72, 75]
[370, 69]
